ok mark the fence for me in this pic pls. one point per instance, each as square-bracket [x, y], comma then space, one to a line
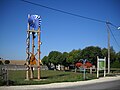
[4, 75]
[20, 67]
[7, 70]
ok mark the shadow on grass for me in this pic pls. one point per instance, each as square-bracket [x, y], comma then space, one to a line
[7, 83]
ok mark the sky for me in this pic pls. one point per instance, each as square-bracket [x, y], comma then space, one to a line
[59, 31]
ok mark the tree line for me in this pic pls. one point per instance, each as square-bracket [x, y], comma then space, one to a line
[90, 53]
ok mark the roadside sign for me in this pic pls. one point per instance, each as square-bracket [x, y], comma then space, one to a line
[101, 65]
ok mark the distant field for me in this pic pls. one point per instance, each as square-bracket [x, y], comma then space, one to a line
[16, 62]
[47, 76]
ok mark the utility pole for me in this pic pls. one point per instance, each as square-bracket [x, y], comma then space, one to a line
[108, 46]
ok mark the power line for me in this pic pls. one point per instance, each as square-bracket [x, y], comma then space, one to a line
[112, 24]
[65, 12]
[113, 36]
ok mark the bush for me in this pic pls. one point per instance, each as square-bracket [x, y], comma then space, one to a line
[115, 64]
[7, 62]
[2, 83]
[1, 63]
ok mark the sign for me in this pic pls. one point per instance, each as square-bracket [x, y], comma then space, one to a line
[84, 68]
[32, 59]
[101, 65]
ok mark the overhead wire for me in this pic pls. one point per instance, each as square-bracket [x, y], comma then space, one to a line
[113, 36]
[65, 12]
[112, 24]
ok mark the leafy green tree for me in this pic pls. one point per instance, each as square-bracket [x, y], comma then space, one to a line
[73, 56]
[64, 59]
[90, 53]
[112, 54]
[70, 59]
[46, 62]
[7, 62]
[118, 56]
[104, 52]
[55, 57]
[76, 55]
[115, 64]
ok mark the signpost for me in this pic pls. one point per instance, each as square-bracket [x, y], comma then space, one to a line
[83, 68]
[101, 65]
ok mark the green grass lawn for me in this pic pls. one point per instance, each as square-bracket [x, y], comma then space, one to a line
[47, 76]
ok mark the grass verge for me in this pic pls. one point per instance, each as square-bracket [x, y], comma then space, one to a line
[47, 76]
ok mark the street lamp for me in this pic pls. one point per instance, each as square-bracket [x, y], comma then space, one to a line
[118, 28]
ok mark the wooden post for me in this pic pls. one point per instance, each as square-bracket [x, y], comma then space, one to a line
[105, 67]
[97, 67]
[32, 42]
[90, 70]
[27, 62]
[28, 53]
[39, 53]
[32, 53]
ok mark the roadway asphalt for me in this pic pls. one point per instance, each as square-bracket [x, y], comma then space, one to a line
[110, 85]
[104, 83]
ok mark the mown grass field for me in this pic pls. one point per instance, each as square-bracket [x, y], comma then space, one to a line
[47, 76]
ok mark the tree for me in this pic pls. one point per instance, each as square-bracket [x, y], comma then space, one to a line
[1, 63]
[55, 57]
[46, 62]
[70, 59]
[64, 59]
[74, 56]
[7, 62]
[90, 53]
[112, 54]
[118, 56]
[105, 52]
[115, 64]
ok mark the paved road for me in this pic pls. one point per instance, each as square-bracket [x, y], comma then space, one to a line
[112, 85]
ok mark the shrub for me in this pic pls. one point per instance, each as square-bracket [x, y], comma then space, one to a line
[88, 64]
[1, 63]
[7, 62]
[79, 64]
[115, 64]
